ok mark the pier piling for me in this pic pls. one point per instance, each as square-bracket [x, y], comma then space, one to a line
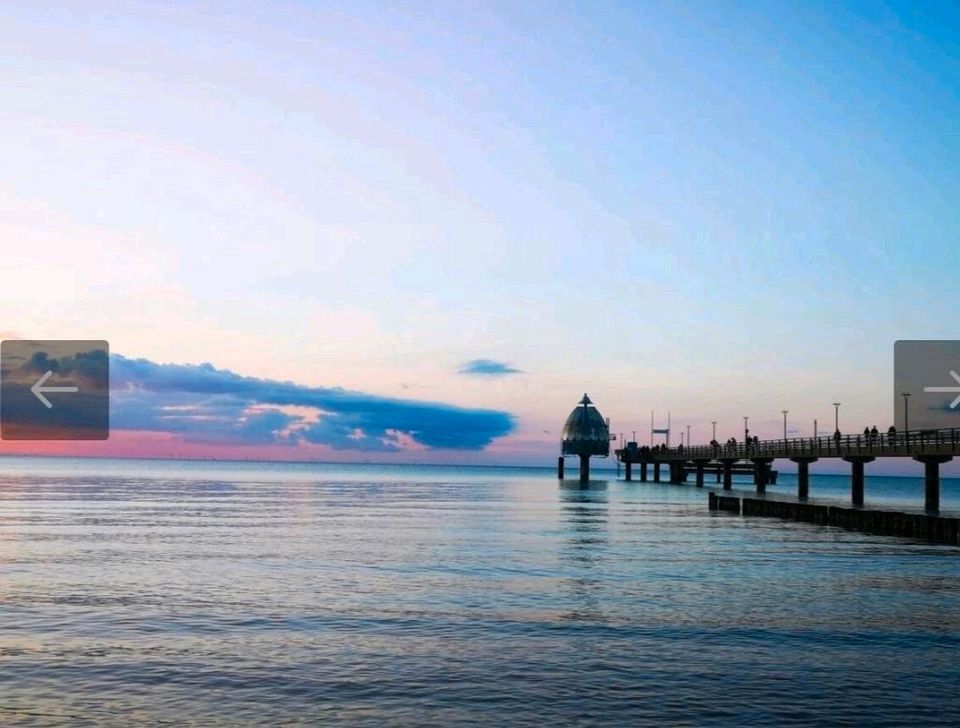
[931, 480]
[803, 476]
[700, 465]
[678, 473]
[728, 473]
[761, 473]
[856, 477]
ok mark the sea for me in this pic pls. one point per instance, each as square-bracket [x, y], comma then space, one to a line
[229, 593]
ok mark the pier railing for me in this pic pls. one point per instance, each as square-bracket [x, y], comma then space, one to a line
[901, 444]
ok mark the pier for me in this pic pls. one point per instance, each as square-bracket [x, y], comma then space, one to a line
[586, 434]
[902, 522]
[930, 448]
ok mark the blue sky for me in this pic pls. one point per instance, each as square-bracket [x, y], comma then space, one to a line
[714, 208]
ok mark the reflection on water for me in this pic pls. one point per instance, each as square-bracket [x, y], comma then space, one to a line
[584, 507]
[259, 594]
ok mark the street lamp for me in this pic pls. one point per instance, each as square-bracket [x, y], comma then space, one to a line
[906, 412]
[746, 432]
[785, 413]
[836, 416]
[688, 435]
[714, 423]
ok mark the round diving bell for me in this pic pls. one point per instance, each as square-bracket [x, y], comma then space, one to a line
[585, 433]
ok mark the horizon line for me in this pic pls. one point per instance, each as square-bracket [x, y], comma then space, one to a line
[368, 462]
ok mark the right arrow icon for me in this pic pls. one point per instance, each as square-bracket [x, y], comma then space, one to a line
[950, 390]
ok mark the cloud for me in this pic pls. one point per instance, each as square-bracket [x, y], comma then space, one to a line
[201, 403]
[487, 368]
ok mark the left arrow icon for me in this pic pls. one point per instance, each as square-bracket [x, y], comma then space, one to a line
[38, 389]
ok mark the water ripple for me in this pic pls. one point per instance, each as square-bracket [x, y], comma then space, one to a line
[211, 594]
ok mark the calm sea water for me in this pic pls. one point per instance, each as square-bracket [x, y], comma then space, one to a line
[214, 593]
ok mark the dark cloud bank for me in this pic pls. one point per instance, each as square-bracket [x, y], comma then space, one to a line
[204, 404]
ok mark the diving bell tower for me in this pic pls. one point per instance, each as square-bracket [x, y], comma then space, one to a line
[585, 433]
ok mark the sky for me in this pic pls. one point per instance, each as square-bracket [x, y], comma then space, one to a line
[420, 232]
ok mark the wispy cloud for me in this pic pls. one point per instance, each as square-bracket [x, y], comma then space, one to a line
[201, 403]
[488, 368]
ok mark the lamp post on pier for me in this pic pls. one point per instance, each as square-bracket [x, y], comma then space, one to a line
[746, 430]
[714, 423]
[785, 413]
[688, 435]
[836, 416]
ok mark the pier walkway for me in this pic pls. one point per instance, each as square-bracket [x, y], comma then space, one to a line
[932, 448]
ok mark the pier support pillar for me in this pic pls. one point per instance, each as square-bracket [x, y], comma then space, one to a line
[719, 475]
[761, 473]
[628, 472]
[678, 473]
[803, 476]
[931, 479]
[560, 467]
[857, 477]
[643, 472]
[700, 465]
[728, 473]
[656, 472]
[584, 468]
